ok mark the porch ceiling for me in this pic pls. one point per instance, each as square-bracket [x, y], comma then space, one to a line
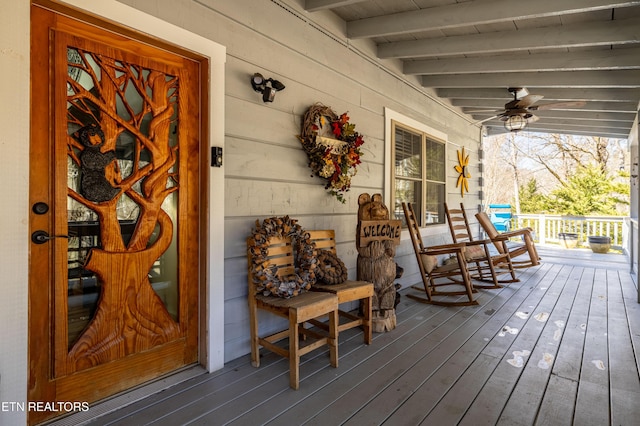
[471, 51]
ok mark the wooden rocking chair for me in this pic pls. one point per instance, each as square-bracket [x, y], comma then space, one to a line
[431, 270]
[482, 265]
[348, 291]
[504, 246]
[297, 310]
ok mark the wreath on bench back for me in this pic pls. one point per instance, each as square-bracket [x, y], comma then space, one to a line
[265, 274]
[331, 269]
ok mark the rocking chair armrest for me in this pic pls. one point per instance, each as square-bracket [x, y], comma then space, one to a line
[443, 249]
[517, 232]
[477, 242]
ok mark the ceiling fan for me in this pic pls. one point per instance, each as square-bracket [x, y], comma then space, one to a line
[518, 112]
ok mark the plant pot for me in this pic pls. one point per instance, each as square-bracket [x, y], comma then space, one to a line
[568, 240]
[599, 244]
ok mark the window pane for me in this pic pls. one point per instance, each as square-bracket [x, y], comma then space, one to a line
[407, 191]
[407, 147]
[435, 158]
[435, 203]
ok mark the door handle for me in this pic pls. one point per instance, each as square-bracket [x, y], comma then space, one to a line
[41, 237]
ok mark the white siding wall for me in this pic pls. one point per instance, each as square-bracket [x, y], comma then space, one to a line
[266, 171]
[14, 191]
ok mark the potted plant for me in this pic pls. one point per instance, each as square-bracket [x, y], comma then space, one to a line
[568, 239]
[599, 244]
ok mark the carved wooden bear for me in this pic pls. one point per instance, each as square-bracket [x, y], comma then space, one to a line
[94, 185]
[376, 263]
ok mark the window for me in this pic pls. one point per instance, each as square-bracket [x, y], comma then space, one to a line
[419, 174]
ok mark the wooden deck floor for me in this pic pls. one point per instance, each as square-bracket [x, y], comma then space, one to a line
[557, 348]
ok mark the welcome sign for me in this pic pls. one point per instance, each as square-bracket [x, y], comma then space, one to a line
[379, 230]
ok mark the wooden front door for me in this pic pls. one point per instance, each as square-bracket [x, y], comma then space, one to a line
[115, 209]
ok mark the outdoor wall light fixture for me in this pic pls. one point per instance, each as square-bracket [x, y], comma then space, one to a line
[515, 123]
[268, 87]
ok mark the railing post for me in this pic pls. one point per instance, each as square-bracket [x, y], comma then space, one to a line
[542, 228]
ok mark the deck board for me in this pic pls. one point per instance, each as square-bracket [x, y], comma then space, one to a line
[558, 402]
[625, 387]
[361, 386]
[451, 361]
[499, 387]
[551, 315]
[446, 365]
[326, 388]
[569, 359]
[592, 405]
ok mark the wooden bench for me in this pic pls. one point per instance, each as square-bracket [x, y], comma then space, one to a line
[348, 291]
[298, 310]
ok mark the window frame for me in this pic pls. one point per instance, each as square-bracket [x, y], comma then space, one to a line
[392, 120]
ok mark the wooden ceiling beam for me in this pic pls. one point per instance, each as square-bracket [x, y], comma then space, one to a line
[573, 115]
[564, 36]
[573, 79]
[498, 130]
[473, 13]
[618, 59]
[315, 5]
[590, 94]
[567, 124]
[620, 125]
[469, 105]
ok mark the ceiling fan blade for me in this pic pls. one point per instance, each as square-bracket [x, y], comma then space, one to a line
[557, 105]
[486, 119]
[532, 118]
[528, 101]
[473, 111]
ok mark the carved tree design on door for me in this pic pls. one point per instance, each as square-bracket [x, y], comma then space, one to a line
[108, 99]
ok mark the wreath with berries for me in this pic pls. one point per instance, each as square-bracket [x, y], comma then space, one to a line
[333, 147]
[265, 274]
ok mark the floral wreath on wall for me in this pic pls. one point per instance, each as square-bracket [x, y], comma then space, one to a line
[333, 147]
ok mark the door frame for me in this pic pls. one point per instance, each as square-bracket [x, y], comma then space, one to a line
[211, 317]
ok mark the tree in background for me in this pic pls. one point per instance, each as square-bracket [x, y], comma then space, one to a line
[561, 174]
[498, 170]
[531, 199]
[590, 191]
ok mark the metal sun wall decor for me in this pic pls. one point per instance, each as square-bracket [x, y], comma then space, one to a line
[462, 168]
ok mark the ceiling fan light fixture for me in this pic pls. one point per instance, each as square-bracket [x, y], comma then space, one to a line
[515, 123]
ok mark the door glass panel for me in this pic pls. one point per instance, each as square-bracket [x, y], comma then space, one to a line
[122, 156]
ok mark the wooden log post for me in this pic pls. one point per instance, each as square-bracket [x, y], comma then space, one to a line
[376, 240]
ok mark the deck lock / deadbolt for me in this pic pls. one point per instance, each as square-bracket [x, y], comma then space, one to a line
[40, 208]
[41, 237]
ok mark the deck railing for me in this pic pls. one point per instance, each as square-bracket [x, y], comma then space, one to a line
[547, 227]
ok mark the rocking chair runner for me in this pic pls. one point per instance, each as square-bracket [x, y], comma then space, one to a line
[297, 310]
[482, 265]
[430, 270]
[499, 240]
